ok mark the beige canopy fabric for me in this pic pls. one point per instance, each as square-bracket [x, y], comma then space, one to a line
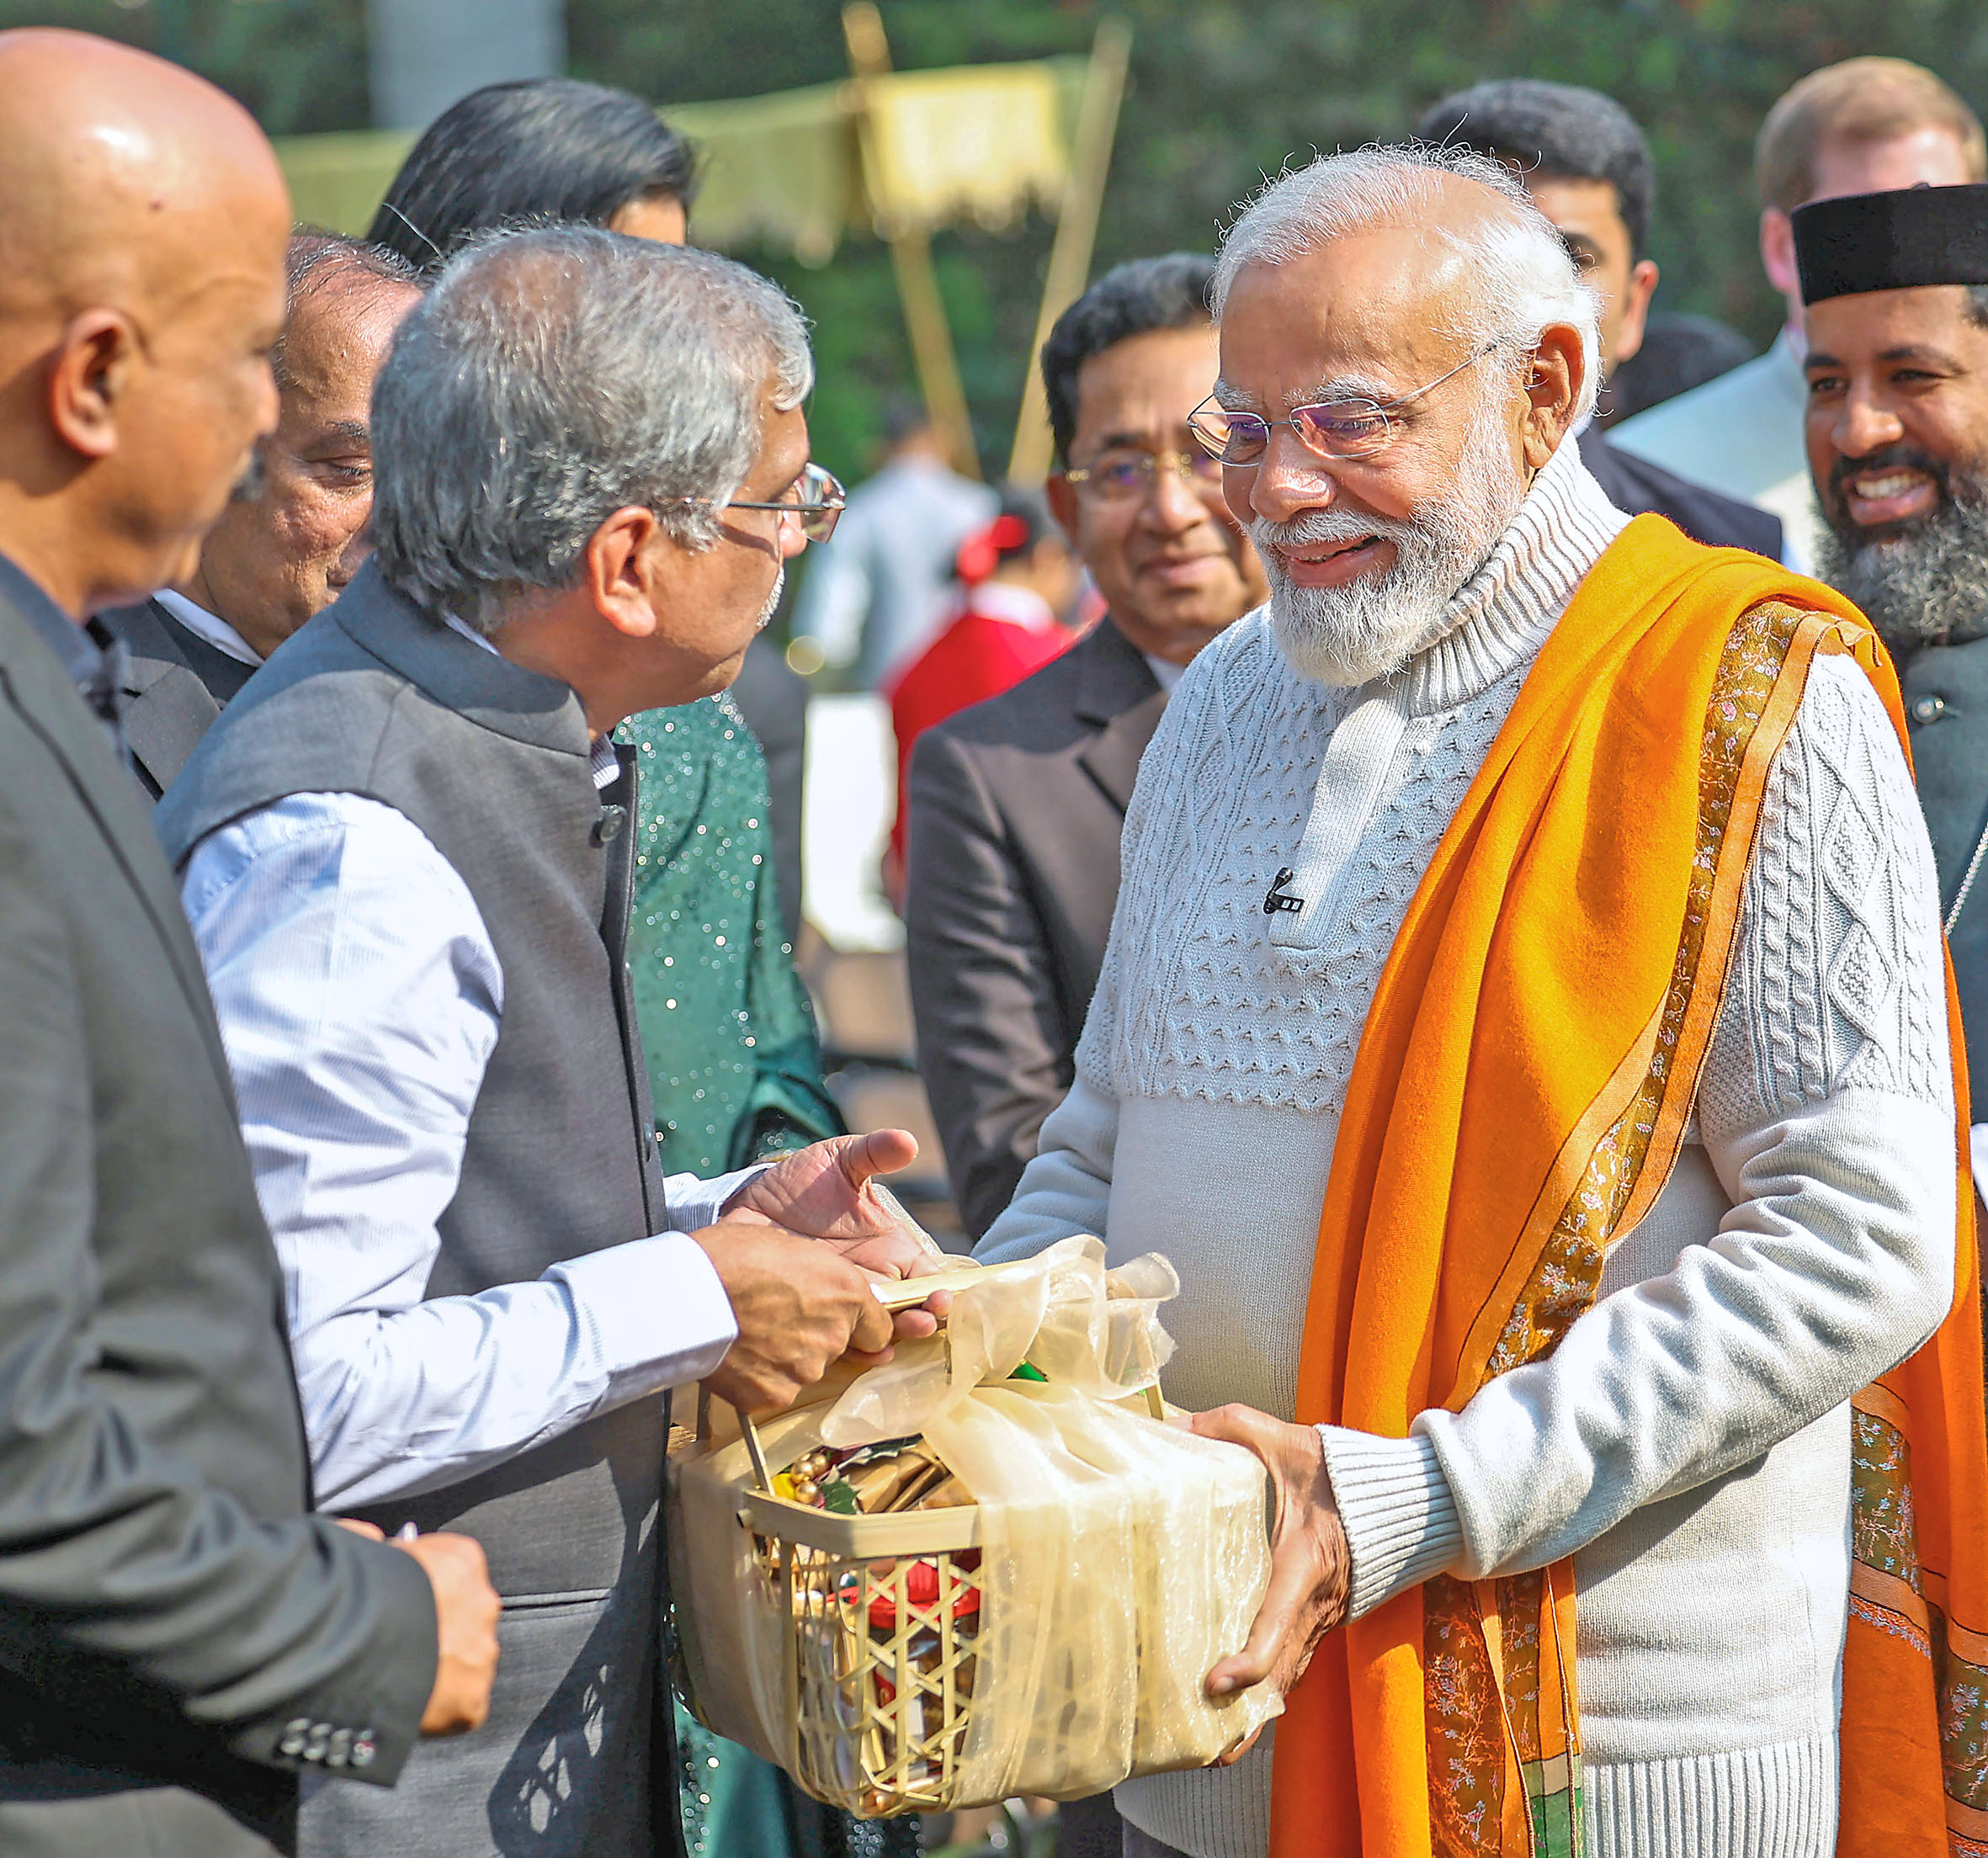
[976, 145]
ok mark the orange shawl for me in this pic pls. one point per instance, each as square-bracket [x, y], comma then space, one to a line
[1522, 1091]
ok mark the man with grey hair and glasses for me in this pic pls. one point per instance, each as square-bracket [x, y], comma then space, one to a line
[1524, 1026]
[404, 850]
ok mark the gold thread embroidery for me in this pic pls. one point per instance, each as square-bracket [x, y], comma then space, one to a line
[1466, 1726]
[1885, 1536]
[1563, 1283]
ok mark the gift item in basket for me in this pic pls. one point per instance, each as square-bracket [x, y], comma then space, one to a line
[1037, 1610]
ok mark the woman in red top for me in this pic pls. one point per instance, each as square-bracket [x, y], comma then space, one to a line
[1022, 581]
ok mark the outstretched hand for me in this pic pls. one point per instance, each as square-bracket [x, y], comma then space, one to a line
[829, 1191]
[1310, 1568]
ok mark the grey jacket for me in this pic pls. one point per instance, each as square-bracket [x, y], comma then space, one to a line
[178, 1636]
[1016, 807]
[175, 686]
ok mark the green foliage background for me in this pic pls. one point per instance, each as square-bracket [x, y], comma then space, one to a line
[1223, 91]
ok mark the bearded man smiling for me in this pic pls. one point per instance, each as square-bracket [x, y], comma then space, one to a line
[1896, 286]
[1524, 1025]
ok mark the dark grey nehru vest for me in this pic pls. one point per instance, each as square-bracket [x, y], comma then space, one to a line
[492, 762]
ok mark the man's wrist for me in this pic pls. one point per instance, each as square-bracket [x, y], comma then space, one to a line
[1396, 1507]
[658, 1311]
[694, 1204]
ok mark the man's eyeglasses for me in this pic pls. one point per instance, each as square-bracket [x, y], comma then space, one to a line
[1128, 477]
[816, 503]
[1335, 429]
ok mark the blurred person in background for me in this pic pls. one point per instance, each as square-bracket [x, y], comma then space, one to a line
[1679, 352]
[873, 597]
[1587, 167]
[1864, 126]
[1895, 290]
[296, 534]
[1016, 806]
[728, 1030]
[1021, 581]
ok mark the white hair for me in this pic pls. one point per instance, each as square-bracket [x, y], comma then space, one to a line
[1523, 279]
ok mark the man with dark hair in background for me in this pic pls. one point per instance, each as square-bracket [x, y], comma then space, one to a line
[1864, 126]
[1587, 167]
[291, 540]
[1017, 805]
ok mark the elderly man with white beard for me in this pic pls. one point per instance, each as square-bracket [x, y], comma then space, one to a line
[1525, 1025]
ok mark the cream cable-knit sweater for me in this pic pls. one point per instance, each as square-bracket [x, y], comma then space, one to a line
[1688, 1440]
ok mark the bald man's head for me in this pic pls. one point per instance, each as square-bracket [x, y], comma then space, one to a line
[142, 226]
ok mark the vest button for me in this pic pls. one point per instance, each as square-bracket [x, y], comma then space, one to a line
[608, 825]
[1926, 709]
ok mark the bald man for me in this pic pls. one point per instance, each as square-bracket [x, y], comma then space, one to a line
[179, 1639]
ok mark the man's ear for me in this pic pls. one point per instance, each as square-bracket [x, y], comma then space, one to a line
[1062, 500]
[1560, 372]
[87, 379]
[1634, 320]
[626, 564]
[1777, 252]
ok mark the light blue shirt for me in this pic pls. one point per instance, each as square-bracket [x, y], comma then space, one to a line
[359, 997]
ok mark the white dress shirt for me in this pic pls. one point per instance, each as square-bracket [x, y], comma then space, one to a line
[210, 626]
[359, 997]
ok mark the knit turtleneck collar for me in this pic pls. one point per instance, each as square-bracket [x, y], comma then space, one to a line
[1501, 615]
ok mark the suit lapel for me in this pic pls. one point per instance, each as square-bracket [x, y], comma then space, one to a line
[165, 721]
[1118, 691]
[50, 705]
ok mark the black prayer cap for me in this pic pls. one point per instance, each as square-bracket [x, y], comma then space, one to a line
[1901, 240]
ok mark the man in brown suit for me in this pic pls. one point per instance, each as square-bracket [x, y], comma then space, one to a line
[1017, 804]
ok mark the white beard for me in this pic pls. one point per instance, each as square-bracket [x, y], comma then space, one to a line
[1372, 627]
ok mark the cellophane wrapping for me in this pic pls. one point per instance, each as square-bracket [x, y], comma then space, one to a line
[1120, 1556]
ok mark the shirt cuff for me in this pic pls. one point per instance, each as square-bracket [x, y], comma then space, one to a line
[659, 1314]
[1396, 1506]
[694, 1204]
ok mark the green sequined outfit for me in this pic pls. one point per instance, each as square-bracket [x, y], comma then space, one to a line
[734, 1066]
[735, 1074]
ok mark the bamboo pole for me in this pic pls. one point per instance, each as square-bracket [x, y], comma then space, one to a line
[1076, 236]
[910, 258]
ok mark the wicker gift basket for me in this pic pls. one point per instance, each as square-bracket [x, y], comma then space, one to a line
[981, 1571]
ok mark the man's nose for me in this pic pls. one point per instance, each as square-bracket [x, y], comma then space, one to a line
[1289, 479]
[359, 545]
[1863, 426]
[1174, 505]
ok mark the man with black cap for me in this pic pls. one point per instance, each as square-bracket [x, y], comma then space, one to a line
[1895, 287]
